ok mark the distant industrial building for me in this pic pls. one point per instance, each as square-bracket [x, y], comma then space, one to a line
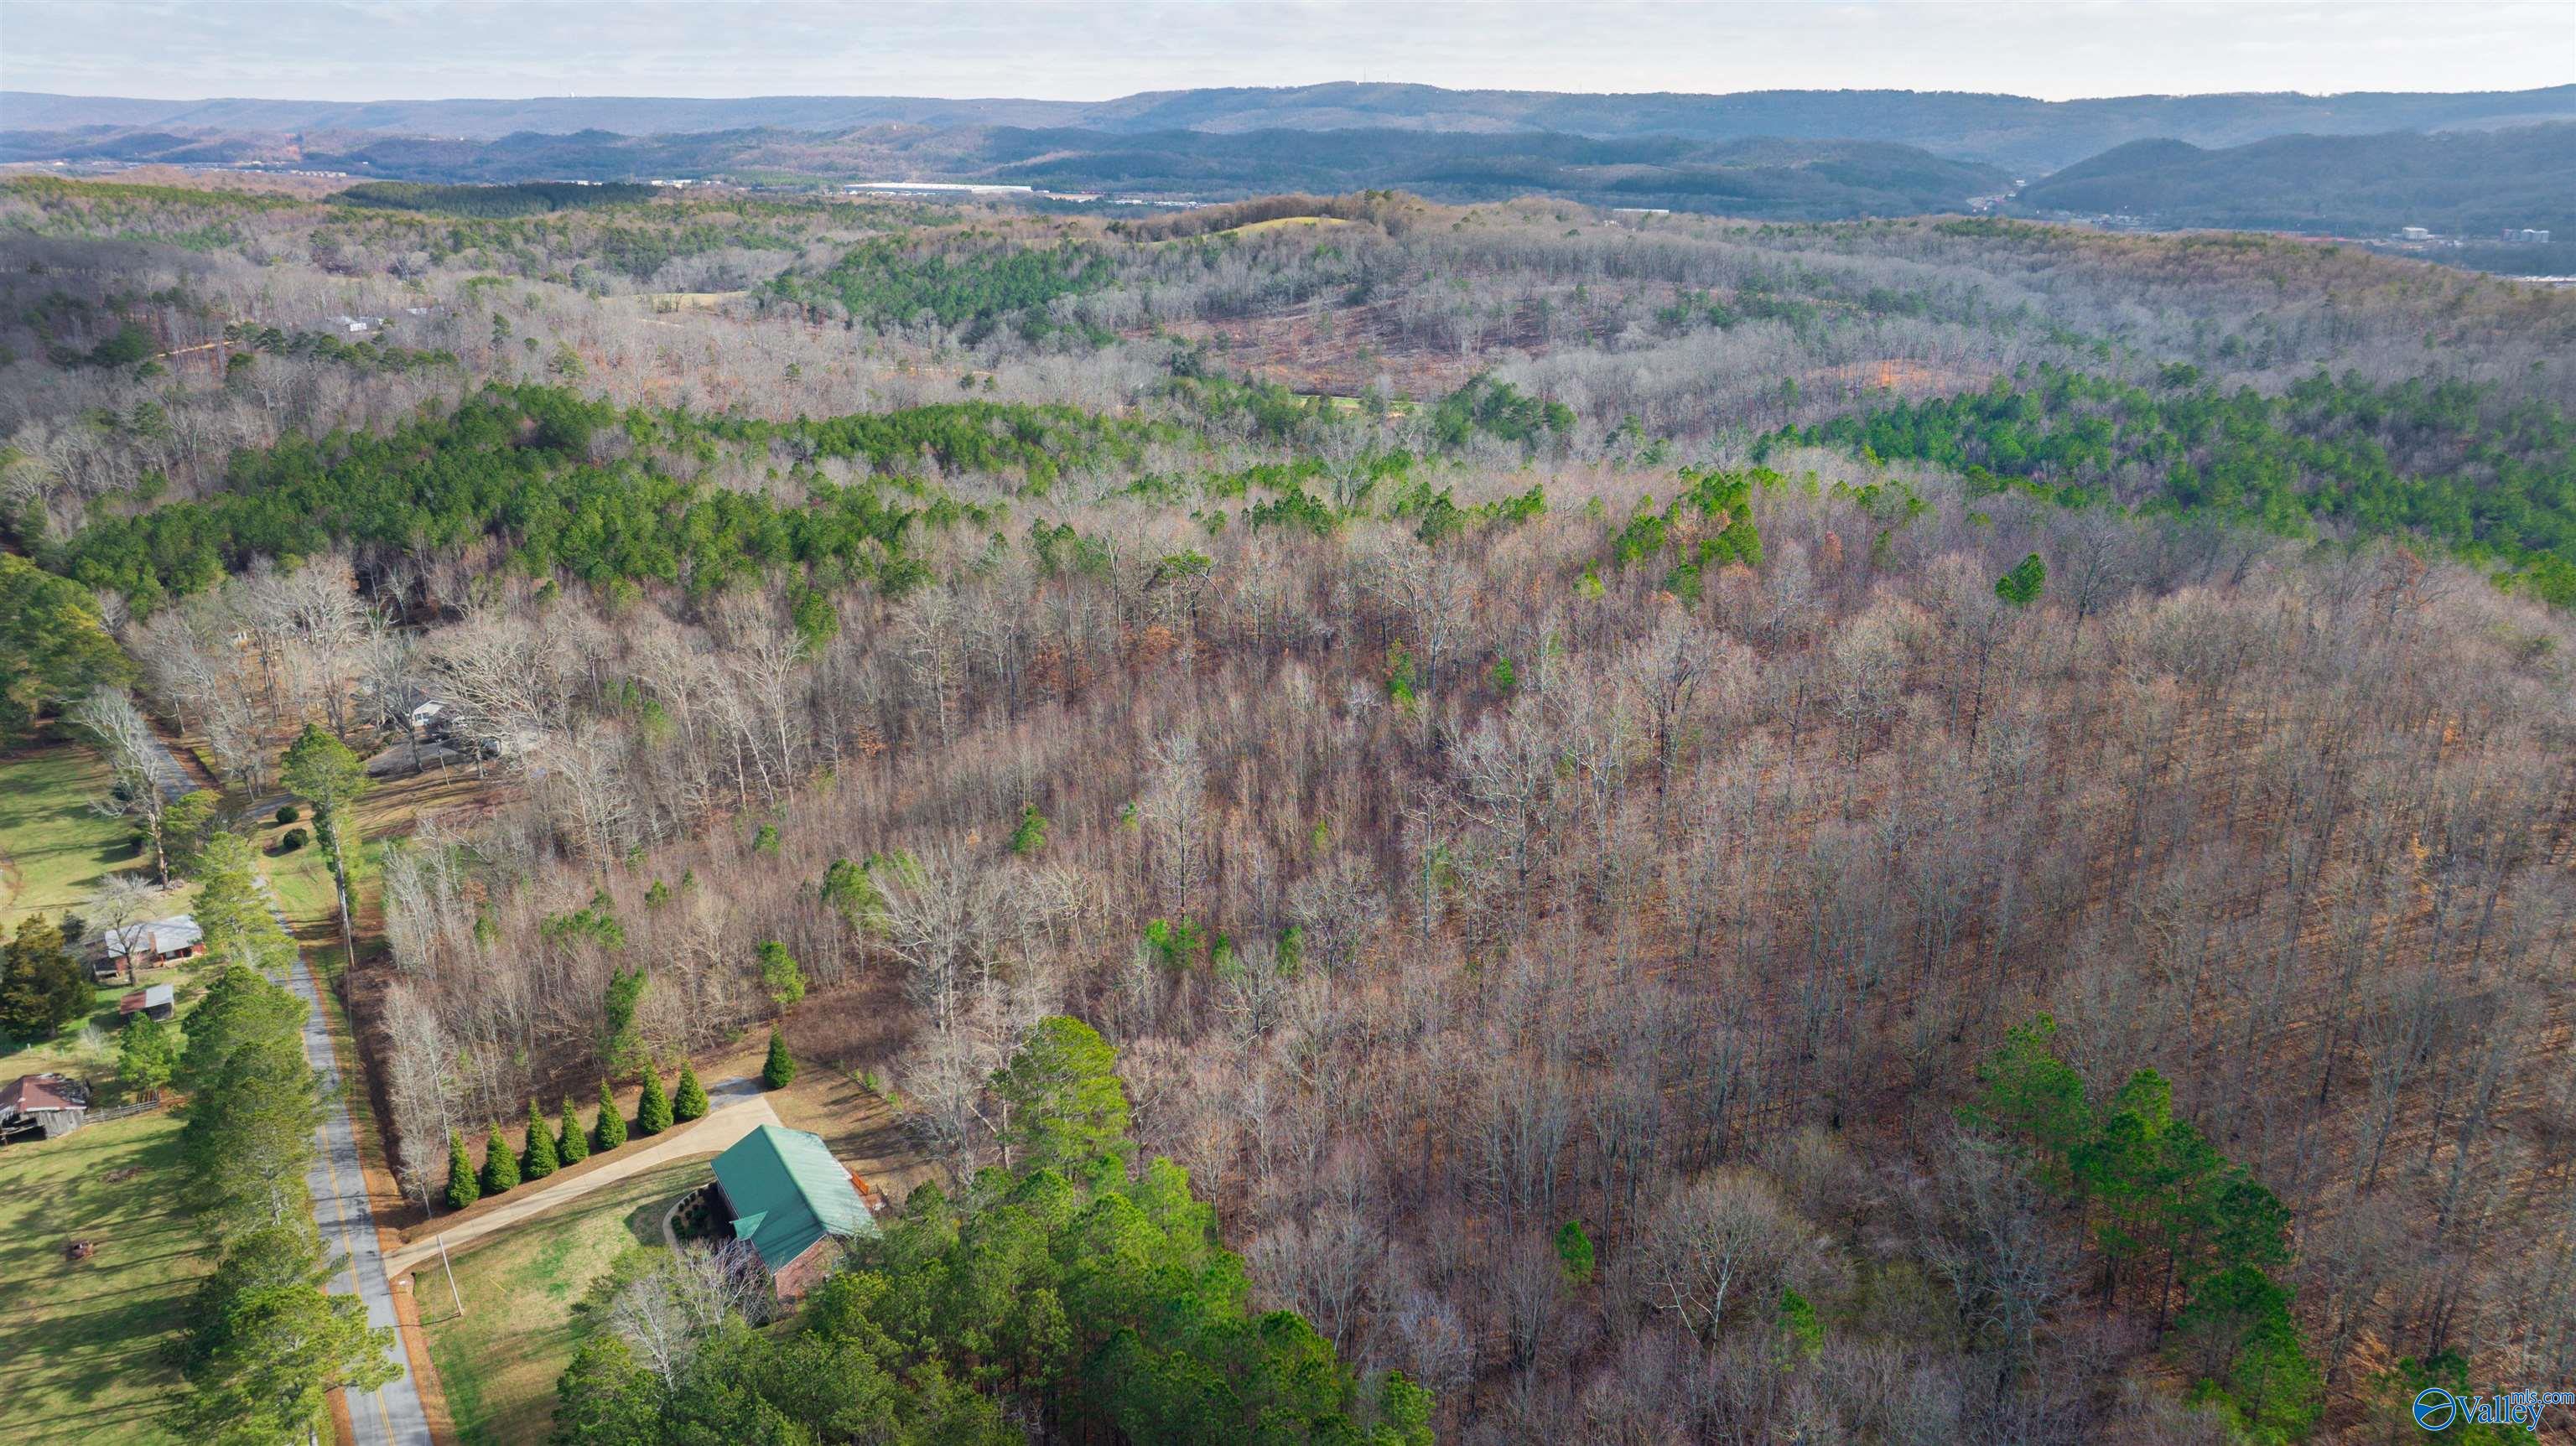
[2413, 233]
[2524, 236]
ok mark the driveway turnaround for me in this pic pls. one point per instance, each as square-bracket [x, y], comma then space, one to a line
[734, 1109]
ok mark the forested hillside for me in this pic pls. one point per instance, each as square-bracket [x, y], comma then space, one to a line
[1752, 176]
[1490, 824]
[2444, 463]
[2465, 183]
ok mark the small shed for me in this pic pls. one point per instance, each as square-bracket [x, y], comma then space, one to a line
[42, 1106]
[785, 1194]
[143, 946]
[156, 1000]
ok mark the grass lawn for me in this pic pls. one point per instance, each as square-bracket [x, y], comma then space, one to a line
[302, 880]
[53, 849]
[53, 852]
[499, 1360]
[83, 1346]
[1287, 223]
[861, 1130]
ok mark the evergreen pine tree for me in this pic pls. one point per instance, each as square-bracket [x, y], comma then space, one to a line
[462, 1188]
[1574, 1252]
[572, 1145]
[2022, 586]
[611, 1129]
[500, 1167]
[653, 1111]
[44, 987]
[539, 1161]
[1068, 1106]
[780, 1070]
[1031, 835]
[689, 1102]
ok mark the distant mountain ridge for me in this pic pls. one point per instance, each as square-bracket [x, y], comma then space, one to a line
[2012, 131]
[2471, 184]
[1766, 178]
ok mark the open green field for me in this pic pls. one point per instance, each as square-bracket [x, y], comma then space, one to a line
[498, 1362]
[53, 848]
[84, 1345]
[1286, 223]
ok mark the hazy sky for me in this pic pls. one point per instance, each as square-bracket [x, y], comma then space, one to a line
[414, 49]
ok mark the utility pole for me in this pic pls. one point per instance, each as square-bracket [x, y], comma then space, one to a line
[451, 1275]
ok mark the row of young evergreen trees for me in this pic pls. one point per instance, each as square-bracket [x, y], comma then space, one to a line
[549, 1149]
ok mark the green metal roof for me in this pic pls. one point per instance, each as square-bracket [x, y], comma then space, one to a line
[788, 1192]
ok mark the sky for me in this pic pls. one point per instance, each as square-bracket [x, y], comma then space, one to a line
[1099, 49]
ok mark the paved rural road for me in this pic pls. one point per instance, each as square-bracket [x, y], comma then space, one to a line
[734, 1109]
[391, 1416]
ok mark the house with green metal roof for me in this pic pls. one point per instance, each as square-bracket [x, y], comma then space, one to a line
[793, 1202]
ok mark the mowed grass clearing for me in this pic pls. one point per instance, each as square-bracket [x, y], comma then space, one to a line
[53, 847]
[85, 1345]
[54, 850]
[498, 1362]
[1286, 223]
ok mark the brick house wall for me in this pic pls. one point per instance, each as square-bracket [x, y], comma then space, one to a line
[807, 1270]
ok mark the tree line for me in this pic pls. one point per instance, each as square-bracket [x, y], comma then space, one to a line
[2428, 457]
[518, 199]
[269, 1343]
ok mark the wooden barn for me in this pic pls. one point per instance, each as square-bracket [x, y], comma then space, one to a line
[42, 1106]
[157, 1001]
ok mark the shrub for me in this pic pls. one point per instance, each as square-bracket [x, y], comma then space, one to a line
[572, 1146]
[653, 1111]
[292, 839]
[610, 1132]
[500, 1167]
[689, 1102]
[779, 1070]
[462, 1188]
[288, 813]
[539, 1160]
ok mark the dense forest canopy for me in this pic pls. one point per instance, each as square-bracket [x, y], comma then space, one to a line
[2440, 461]
[1388, 821]
[519, 464]
[526, 198]
[971, 289]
